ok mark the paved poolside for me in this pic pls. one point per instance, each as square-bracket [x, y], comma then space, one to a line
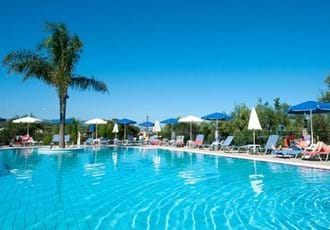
[265, 158]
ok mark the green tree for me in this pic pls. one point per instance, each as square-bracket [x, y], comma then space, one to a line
[54, 62]
[325, 94]
[73, 130]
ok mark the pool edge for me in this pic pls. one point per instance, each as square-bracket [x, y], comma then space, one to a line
[246, 156]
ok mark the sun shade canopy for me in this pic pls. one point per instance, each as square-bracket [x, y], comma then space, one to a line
[217, 116]
[309, 106]
[126, 121]
[170, 121]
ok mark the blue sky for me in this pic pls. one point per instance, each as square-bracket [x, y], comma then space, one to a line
[171, 58]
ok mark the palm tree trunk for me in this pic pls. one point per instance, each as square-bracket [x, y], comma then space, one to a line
[62, 121]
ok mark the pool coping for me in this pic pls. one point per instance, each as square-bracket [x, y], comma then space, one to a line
[247, 156]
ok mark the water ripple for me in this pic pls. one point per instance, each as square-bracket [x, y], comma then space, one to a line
[154, 189]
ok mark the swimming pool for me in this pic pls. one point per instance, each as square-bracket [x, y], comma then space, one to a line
[124, 188]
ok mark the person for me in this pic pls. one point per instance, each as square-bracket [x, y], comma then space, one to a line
[306, 137]
[302, 143]
[141, 138]
[322, 147]
[291, 142]
[288, 140]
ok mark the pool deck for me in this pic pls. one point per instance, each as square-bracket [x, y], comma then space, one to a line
[264, 158]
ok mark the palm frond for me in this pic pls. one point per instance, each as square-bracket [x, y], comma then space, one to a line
[72, 53]
[63, 48]
[85, 83]
[29, 64]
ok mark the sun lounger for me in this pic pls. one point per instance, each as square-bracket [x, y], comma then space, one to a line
[165, 142]
[153, 140]
[227, 144]
[130, 141]
[171, 142]
[104, 141]
[293, 152]
[27, 140]
[56, 139]
[315, 155]
[271, 142]
[198, 143]
[89, 141]
[116, 141]
[215, 145]
[179, 141]
[23, 140]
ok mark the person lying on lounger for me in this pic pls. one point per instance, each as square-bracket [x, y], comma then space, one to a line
[321, 147]
[302, 143]
[296, 144]
[288, 140]
[320, 151]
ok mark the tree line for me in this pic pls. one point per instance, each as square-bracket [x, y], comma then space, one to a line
[54, 61]
[272, 116]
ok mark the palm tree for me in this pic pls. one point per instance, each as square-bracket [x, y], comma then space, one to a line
[53, 62]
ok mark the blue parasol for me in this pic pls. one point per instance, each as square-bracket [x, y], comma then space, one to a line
[310, 107]
[171, 122]
[125, 122]
[217, 117]
[147, 124]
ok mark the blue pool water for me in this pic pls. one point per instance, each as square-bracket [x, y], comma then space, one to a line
[125, 188]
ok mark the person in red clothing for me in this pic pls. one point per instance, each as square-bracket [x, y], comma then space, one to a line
[288, 140]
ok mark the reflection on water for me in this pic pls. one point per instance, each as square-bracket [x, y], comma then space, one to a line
[230, 161]
[256, 184]
[256, 181]
[313, 175]
[115, 159]
[111, 188]
[22, 175]
[65, 161]
[216, 162]
[143, 150]
[97, 171]
[156, 161]
[189, 177]
[26, 152]
[19, 163]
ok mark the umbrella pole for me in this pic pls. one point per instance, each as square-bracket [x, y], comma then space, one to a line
[216, 130]
[191, 131]
[311, 116]
[254, 141]
[28, 129]
[124, 132]
[96, 132]
[172, 132]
